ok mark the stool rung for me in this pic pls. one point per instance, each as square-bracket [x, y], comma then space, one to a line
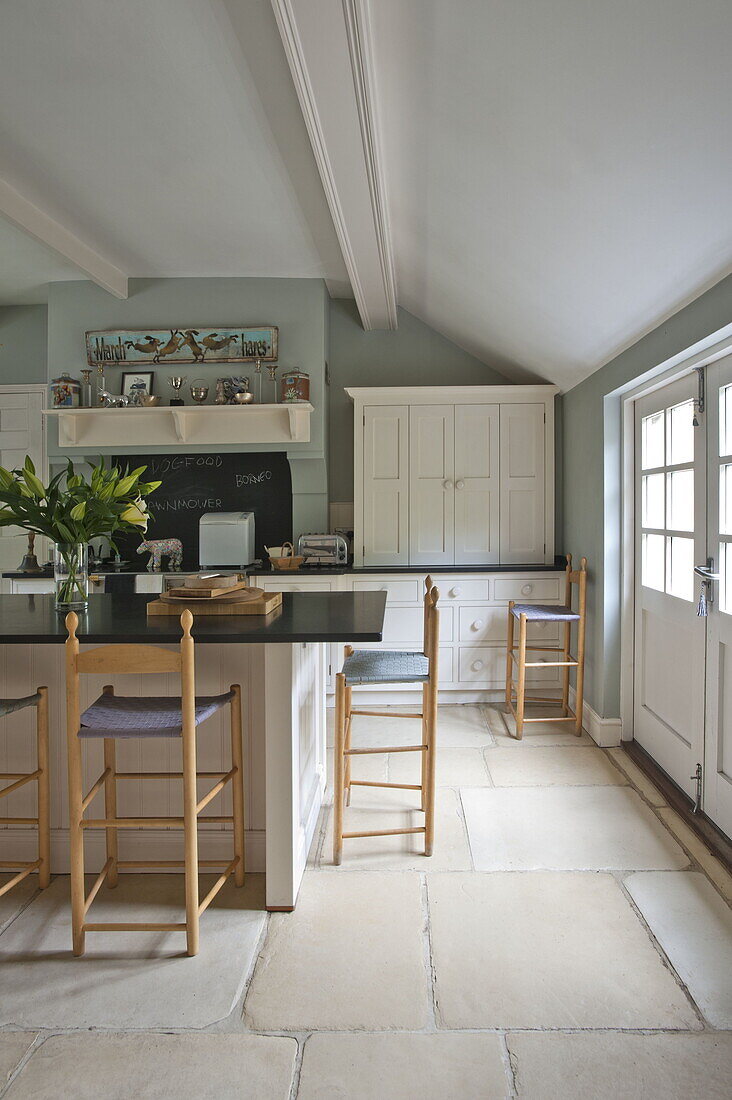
[567, 718]
[216, 789]
[166, 775]
[97, 884]
[18, 820]
[381, 714]
[28, 869]
[93, 791]
[229, 870]
[168, 862]
[19, 782]
[392, 748]
[400, 786]
[133, 927]
[384, 832]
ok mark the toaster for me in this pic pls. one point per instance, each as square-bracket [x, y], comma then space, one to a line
[323, 549]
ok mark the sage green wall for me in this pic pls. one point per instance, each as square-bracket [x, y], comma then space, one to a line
[23, 345]
[411, 355]
[592, 475]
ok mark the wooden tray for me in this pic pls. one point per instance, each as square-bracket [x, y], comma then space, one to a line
[235, 604]
[195, 593]
[200, 582]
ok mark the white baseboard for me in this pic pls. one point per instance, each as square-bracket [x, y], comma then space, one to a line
[605, 732]
[134, 844]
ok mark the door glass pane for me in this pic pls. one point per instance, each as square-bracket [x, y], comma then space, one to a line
[680, 503]
[680, 568]
[725, 420]
[652, 515]
[652, 571]
[652, 446]
[680, 438]
[725, 500]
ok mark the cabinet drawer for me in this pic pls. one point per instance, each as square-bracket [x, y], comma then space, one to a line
[408, 590]
[33, 587]
[286, 584]
[488, 664]
[530, 590]
[406, 626]
[490, 624]
[473, 589]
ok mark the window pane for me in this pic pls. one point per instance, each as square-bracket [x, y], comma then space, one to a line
[680, 440]
[652, 570]
[725, 500]
[725, 577]
[680, 503]
[652, 446]
[725, 420]
[680, 568]
[652, 514]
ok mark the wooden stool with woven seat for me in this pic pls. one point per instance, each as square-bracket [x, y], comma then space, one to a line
[548, 613]
[379, 666]
[114, 717]
[42, 864]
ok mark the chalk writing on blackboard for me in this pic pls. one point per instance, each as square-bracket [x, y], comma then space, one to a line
[253, 479]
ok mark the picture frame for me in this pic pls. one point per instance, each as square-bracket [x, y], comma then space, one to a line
[191, 344]
[137, 382]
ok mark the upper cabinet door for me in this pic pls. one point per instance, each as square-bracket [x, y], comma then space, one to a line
[431, 484]
[386, 485]
[522, 484]
[477, 484]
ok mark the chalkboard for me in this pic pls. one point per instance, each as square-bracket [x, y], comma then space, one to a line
[193, 484]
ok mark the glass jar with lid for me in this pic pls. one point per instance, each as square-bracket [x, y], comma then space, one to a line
[65, 391]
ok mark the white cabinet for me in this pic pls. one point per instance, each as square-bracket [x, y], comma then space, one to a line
[385, 484]
[431, 485]
[454, 476]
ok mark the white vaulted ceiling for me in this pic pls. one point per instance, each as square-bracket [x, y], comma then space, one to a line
[542, 181]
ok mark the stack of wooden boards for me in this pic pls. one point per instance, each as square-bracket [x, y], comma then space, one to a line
[215, 594]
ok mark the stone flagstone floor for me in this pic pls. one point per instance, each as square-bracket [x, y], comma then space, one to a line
[569, 938]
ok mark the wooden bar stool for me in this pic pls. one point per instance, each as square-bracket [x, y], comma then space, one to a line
[548, 613]
[380, 666]
[43, 863]
[114, 717]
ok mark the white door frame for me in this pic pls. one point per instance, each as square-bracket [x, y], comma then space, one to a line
[627, 620]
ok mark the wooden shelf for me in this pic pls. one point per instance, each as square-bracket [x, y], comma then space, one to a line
[193, 424]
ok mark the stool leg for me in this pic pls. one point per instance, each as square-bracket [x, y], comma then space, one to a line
[430, 699]
[76, 841]
[237, 760]
[44, 827]
[565, 678]
[110, 809]
[347, 652]
[579, 699]
[425, 741]
[521, 681]
[190, 827]
[338, 771]
[509, 653]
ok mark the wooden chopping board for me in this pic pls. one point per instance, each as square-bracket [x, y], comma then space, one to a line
[186, 593]
[235, 603]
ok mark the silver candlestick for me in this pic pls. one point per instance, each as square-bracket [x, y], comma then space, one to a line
[272, 371]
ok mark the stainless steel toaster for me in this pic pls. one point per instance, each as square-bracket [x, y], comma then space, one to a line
[323, 549]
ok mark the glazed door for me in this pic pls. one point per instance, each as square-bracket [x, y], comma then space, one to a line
[670, 527]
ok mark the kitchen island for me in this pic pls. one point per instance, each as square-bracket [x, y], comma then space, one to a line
[281, 662]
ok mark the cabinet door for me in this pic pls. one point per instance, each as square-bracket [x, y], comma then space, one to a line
[522, 484]
[386, 485]
[431, 484]
[476, 484]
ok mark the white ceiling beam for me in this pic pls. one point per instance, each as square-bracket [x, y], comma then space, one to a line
[329, 51]
[39, 225]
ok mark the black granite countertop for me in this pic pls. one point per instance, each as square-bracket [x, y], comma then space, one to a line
[303, 617]
[130, 568]
[419, 570]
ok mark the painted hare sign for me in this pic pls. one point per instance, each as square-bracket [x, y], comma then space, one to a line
[183, 345]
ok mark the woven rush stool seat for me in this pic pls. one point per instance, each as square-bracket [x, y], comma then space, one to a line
[544, 612]
[42, 864]
[386, 666]
[148, 716]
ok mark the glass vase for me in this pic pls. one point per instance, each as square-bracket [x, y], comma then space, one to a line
[71, 576]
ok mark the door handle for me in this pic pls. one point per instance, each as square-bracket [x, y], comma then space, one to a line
[706, 573]
[459, 484]
[447, 484]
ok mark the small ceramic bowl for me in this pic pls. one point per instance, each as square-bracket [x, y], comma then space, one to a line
[244, 397]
